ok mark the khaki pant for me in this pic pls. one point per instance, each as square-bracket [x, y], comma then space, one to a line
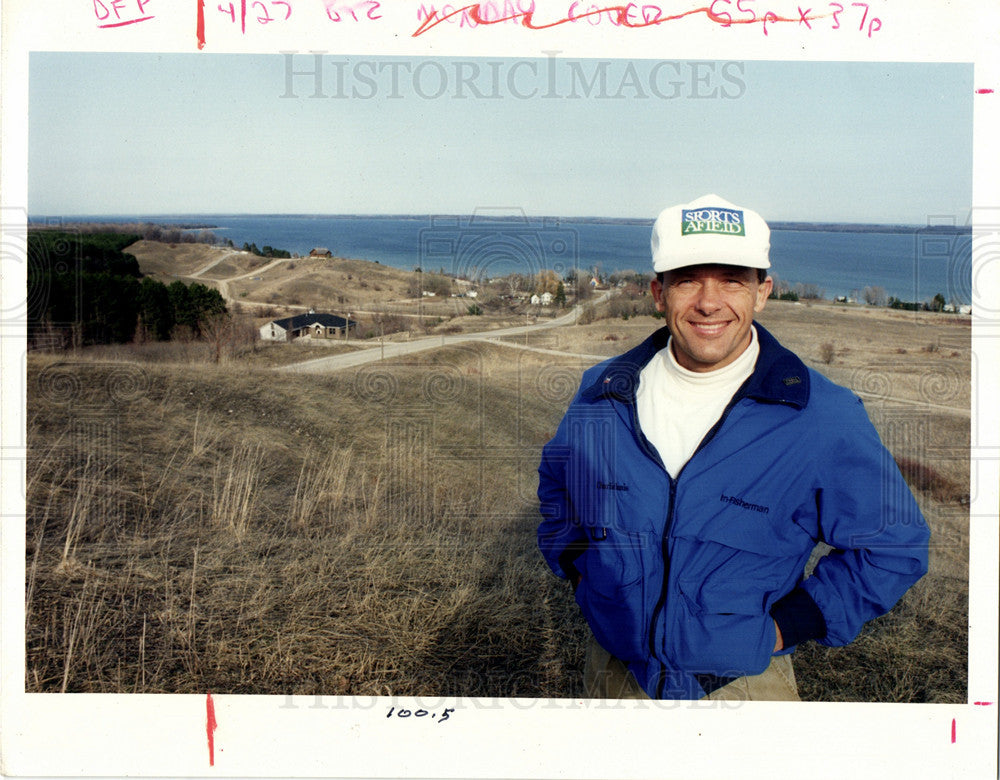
[606, 677]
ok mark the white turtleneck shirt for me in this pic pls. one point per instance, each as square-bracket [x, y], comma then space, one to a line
[677, 407]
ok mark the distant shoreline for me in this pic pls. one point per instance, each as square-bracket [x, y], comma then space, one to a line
[189, 221]
[839, 260]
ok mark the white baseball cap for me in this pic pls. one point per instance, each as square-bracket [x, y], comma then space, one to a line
[709, 230]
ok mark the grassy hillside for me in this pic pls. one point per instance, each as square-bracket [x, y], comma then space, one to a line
[319, 282]
[229, 528]
[167, 262]
[325, 283]
[252, 532]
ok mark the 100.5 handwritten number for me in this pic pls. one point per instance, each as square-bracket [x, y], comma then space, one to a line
[421, 713]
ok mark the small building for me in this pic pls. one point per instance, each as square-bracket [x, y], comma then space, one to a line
[547, 298]
[320, 251]
[317, 326]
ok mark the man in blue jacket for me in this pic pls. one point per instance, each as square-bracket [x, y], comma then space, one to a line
[692, 477]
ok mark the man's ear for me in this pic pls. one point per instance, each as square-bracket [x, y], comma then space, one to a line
[763, 293]
[656, 290]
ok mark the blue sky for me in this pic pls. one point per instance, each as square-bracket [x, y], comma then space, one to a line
[193, 133]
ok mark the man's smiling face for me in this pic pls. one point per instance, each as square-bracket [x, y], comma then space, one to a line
[709, 310]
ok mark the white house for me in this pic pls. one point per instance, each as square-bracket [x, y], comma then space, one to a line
[317, 326]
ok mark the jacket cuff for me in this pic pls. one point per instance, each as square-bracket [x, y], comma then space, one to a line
[798, 618]
[567, 557]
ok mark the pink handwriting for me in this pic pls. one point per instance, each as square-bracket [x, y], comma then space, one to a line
[257, 10]
[264, 12]
[119, 13]
[725, 13]
[357, 12]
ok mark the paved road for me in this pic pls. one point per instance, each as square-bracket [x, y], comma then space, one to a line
[397, 349]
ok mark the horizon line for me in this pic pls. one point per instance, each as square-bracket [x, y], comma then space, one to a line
[434, 215]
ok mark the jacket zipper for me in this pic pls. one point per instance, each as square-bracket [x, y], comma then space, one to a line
[661, 601]
[664, 553]
[664, 541]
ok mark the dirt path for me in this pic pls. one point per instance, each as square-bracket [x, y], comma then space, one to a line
[222, 285]
[215, 262]
[956, 410]
[542, 350]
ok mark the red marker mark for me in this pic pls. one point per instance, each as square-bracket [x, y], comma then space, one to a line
[953, 731]
[210, 727]
[984, 92]
[201, 24]
[122, 24]
[983, 703]
[122, 12]
[618, 13]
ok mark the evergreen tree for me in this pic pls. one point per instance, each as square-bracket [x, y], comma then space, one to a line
[182, 305]
[155, 308]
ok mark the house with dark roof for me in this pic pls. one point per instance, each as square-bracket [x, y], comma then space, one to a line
[320, 251]
[313, 325]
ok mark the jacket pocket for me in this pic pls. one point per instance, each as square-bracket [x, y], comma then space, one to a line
[722, 624]
[718, 579]
[611, 593]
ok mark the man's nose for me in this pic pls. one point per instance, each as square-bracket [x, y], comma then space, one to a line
[709, 298]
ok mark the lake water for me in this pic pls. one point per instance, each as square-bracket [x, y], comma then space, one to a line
[913, 265]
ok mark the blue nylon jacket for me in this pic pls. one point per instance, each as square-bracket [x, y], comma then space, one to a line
[680, 578]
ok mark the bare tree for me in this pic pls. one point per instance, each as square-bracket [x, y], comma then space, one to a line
[875, 296]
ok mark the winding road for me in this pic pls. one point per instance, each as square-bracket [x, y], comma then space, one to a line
[397, 349]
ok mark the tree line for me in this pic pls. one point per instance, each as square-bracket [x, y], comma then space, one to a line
[267, 251]
[83, 289]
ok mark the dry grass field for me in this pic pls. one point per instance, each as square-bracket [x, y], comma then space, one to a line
[323, 282]
[167, 262]
[227, 527]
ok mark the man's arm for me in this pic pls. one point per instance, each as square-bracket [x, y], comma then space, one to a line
[560, 536]
[868, 514]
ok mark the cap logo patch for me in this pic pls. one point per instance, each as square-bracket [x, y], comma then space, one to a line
[728, 222]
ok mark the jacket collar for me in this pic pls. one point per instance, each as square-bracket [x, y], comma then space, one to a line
[778, 377]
